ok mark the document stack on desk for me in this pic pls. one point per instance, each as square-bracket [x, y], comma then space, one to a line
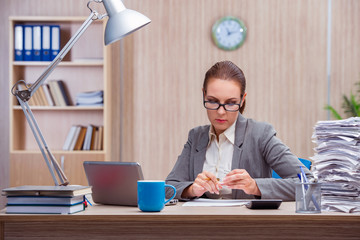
[337, 164]
[46, 199]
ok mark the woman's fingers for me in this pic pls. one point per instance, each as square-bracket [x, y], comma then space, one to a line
[240, 179]
[208, 181]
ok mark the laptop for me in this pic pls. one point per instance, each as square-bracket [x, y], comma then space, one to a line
[113, 183]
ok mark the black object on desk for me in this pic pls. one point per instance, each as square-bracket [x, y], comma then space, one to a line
[264, 204]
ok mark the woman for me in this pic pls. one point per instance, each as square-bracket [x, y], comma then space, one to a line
[234, 156]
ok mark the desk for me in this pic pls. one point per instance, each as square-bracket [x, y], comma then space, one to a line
[177, 222]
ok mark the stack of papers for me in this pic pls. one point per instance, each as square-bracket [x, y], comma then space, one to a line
[95, 98]
[337, 164]
[206, 202]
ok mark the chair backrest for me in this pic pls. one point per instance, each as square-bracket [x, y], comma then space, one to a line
[306, 162]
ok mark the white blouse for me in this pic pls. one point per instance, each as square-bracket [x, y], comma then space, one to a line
[219, 157]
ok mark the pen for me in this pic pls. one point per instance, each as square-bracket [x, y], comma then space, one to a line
[303, 190]
[207, 179]
[303, 177]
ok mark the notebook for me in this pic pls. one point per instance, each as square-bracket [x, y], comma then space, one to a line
[113, 183]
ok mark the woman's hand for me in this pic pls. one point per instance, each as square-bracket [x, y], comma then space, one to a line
[204, 182]
[240, 179]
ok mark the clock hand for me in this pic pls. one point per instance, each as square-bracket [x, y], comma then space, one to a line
[233, 32]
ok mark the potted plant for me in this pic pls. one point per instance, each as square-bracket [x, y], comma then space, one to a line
[350, 105]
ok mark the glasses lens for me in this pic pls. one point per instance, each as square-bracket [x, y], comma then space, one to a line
[212, 105]
[232, 107]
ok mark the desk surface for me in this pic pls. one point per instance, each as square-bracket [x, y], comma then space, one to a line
[185, 222]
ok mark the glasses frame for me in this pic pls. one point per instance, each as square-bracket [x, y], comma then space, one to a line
[223, 105]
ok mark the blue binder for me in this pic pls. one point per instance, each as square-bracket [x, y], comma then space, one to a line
[19, 43]
[46, 43]
[55, 41]
[37, 43]
[28, 43]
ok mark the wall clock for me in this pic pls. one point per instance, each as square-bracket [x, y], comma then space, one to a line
[229, 33]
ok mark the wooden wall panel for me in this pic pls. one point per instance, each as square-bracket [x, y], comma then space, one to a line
[163, 64]
[26, 8]
[283, 58]
[345, 54]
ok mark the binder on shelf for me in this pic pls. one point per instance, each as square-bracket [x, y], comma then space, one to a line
[28, 43]
[55, 41]
[37, 43]
[45, 43]
[19, 42]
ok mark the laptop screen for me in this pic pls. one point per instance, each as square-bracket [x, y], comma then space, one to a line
[113, 183]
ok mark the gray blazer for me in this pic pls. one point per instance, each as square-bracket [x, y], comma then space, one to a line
[257, 150]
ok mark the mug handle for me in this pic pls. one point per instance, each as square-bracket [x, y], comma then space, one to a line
[166, 185]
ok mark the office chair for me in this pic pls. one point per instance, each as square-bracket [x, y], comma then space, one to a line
[307, 164]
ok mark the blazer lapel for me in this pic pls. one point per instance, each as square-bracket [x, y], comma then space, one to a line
[240, 129]
[199, 156]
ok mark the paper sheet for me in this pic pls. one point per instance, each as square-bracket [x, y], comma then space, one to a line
[205, 202]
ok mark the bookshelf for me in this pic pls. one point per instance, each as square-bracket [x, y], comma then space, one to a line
[83, 69]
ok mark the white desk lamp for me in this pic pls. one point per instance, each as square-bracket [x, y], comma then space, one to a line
[121, 22]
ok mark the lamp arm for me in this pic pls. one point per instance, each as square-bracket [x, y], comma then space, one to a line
[62, 53]
[24, 95]
[52, 163]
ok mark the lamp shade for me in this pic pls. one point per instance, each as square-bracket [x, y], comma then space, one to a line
[122, 21]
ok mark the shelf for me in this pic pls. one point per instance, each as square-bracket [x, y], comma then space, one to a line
[56, 152]
[68, 108]
[75, 63]
[83, 69]
[48, 18]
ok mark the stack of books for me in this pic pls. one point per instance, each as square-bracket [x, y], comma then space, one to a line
[84, 138]
[95, 98]
[46, 199]
[53, 93]
[336, 164]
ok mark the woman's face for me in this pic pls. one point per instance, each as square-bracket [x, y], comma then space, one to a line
[223, 92]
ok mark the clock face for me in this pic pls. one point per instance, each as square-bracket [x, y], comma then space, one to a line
[229, 33]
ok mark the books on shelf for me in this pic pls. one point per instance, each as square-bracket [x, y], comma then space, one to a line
[84, 138]
[59, 93]
[46, 199]
[36, 42]
[93, 98]
[336, 164]
[53, 93]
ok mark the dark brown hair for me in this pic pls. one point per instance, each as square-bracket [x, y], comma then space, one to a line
[226, 70]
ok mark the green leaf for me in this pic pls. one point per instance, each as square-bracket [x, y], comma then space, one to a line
[348, 107]
[335, 114]
[355, 105]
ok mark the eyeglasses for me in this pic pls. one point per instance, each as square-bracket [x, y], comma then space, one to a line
[231, 107]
